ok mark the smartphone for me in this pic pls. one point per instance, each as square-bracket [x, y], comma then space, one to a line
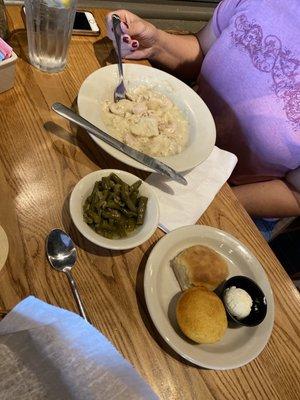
[84, 24]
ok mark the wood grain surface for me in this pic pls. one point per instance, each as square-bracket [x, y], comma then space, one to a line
[42, 157]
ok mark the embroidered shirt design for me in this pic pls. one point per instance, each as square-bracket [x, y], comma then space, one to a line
[269, 56]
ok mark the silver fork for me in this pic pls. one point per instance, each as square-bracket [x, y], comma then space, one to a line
[120, 91]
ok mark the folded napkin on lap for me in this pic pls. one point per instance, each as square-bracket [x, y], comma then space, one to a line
[183, 205]
[50, 353]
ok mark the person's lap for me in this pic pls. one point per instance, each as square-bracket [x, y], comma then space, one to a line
[265, 226]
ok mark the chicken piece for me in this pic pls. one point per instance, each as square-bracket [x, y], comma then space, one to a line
[154, 104]
[146, 126]
[157, 103]
[121, 107]
[138, 95]
[139, 108]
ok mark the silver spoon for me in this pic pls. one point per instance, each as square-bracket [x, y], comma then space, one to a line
[62, 256]
[120, 91]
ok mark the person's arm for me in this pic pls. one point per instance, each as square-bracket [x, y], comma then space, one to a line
[276, 198]
[179, 54]
[183, 54]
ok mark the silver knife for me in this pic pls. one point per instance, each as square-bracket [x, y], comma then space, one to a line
[150, 162]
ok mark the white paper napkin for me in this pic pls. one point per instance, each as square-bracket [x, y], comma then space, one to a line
[183, 205]
[53, 354]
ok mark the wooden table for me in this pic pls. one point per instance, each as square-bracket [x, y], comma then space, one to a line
[41, 160]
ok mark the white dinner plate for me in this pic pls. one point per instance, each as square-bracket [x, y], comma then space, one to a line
[4, 246]
[100, 85]
[240, 345]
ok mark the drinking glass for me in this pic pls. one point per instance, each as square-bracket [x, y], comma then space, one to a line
[49, 26]
[3, 21]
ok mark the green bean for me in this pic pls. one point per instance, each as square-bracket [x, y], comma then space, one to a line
[117, 188]
[130, 224]
[124, 188]
[103, 194]
[88, 219]
[128, 213]
[117, 199]
[110, 196]
[135, 186]
[87, 204]
[113, 204]
[105, 225]
[115, 178]
[99, 199]
[95, 217]
[134, 196]
[106, 183]
[95, 190]
[111, 214]
[94, 199]
[125, 196]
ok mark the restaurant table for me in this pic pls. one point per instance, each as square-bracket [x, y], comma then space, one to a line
[42, 158]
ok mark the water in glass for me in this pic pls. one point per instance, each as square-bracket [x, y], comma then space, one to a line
[49, 28]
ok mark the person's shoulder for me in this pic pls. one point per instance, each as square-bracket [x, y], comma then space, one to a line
[224, 13]
[258, 13]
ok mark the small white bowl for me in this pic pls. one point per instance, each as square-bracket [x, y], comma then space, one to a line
[84, 188]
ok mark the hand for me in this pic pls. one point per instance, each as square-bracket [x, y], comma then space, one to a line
[139, 37]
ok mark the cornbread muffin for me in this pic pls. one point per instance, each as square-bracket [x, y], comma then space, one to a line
[201, 315]
[199, 266]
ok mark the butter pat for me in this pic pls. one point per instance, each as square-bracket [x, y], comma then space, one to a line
[238, 302]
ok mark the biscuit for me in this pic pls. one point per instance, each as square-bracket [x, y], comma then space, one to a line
[200, 266]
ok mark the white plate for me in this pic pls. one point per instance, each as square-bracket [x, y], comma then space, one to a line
[4, 246]
[99, 86]
[240, 345]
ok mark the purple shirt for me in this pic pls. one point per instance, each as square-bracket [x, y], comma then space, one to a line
[250, 80]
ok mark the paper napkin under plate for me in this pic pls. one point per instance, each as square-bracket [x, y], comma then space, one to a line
[50, 353]
[183, 205]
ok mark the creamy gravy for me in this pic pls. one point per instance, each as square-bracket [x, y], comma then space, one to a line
[147, 121]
